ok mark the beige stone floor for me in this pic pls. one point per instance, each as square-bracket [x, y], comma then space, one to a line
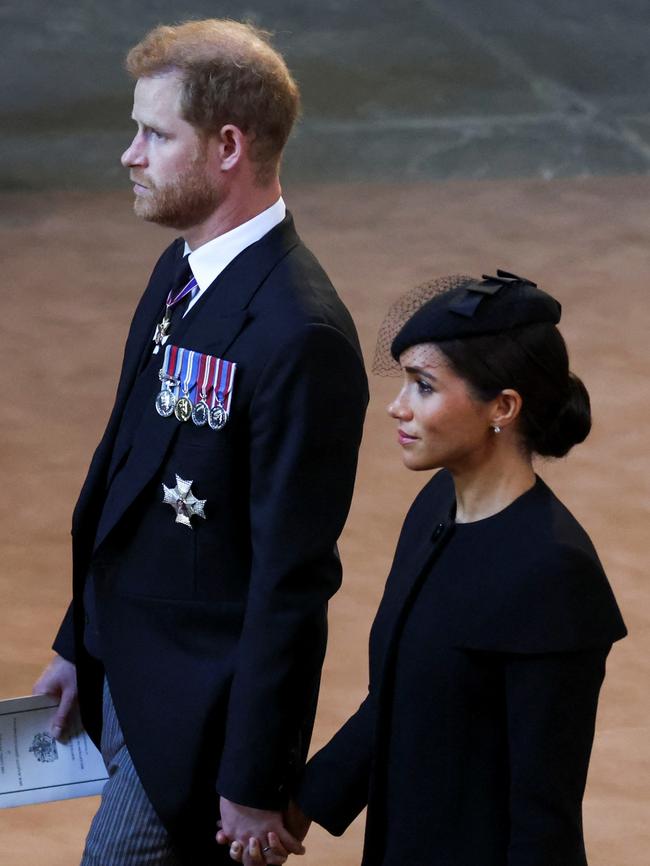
[74, 265]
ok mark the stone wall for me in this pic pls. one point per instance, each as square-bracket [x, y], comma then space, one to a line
[392, 90]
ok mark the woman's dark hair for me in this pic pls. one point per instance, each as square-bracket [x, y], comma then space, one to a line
[532, 360]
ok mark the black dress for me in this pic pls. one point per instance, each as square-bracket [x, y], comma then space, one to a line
[486, 660]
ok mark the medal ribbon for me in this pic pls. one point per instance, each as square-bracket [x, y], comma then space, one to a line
[172, 363]
[161, 333]
[202, 376]
[187, 368]
[222, 379]
[184, 369]
[173, 299]
[210, 361]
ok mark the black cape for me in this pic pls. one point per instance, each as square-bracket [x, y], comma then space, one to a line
[486, 660]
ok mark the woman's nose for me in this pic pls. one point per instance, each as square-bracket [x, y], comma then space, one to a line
[398, 408]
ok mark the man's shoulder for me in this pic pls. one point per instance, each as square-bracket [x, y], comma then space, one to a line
[300, 272]
[297, 293]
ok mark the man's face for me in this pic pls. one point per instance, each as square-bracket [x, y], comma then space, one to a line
[167, 159]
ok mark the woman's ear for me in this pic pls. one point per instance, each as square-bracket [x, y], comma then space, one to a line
[506, 408]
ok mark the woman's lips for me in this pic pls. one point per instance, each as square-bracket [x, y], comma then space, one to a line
[404, 439]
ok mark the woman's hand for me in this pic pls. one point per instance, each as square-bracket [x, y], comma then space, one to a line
[244, 828]
[273, 853]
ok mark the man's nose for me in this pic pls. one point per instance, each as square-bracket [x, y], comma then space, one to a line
[134, 154]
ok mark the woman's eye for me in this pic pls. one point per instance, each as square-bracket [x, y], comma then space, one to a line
[424, 387]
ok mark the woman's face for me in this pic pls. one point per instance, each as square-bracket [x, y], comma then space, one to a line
[440, 423]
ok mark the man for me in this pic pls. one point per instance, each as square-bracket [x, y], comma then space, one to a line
[204, 536]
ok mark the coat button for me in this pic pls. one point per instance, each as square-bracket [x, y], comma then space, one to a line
[437, 532]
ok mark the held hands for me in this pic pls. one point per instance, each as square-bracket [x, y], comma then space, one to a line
[258, 836]
[59, 679]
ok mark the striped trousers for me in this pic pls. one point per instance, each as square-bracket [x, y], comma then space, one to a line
[126, 830]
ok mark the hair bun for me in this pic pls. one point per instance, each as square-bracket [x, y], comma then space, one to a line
[571, 423]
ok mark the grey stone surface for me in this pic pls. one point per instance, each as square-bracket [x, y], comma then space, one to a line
[546, 147]
[419, 89]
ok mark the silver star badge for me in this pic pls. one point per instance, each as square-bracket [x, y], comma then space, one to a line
[184, 502]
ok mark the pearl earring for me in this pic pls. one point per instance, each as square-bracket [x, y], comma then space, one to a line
[496, 428]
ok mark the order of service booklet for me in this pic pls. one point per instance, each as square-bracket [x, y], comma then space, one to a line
[36, 768]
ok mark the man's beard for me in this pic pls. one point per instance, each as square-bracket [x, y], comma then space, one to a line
[185, 203]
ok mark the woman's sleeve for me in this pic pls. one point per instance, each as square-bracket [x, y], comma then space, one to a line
[551, 709]
[333, 789]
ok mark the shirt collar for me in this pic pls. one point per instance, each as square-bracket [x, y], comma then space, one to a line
[210, 259]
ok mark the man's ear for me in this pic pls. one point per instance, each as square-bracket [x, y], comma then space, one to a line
[231, 146]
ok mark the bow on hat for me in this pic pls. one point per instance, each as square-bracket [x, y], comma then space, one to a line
[468, 304]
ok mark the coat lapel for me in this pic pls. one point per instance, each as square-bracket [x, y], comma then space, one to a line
[211, 325]
[147, 315]
[235, 287]
[138, 345]
[422, 546]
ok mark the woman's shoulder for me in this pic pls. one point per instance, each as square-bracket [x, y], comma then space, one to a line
[547, 535]
[538, 584]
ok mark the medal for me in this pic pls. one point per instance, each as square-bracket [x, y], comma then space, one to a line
[165, 402]
[222, 374]
[183, 501]
[168, 375]
[217, 417]
[201, 409]
[162, 328]
[182, 371]
[183, 407]
[200, 413]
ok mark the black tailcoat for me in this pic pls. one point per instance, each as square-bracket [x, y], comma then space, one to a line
[486, 660]
[212, 638]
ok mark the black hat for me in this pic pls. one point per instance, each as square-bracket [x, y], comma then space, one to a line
[475, 307]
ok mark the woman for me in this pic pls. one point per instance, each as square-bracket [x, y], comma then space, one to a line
[489, 647]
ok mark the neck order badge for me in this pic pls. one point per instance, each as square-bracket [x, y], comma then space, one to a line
[162, 328]
[211, 379]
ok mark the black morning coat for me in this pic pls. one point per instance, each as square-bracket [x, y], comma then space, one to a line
[212, 638]
[486, 659]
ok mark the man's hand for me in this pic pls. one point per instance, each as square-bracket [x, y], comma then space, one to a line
[250, 831]
[59, 679]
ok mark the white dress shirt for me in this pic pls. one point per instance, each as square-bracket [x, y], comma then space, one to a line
[210, 259]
